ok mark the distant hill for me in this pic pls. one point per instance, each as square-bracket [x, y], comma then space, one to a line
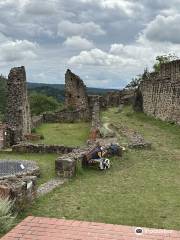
[57, 90]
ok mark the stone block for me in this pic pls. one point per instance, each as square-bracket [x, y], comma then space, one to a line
[65, 167]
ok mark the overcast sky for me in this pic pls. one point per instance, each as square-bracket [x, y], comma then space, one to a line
[105, 42]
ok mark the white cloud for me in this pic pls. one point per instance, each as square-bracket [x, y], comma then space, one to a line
[78, 42]
[126, 57]
[128, 7]
[39, 7]
[11, 51]
[67, 28]
[164, 29]
[98, 57]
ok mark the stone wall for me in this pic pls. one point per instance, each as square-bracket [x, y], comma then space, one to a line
[160, 93]
[20, 190]
[37, 121]
[66, 116]
[96, 122]
[75, 92]
[18, 111]
[116, 98]
[41, 148]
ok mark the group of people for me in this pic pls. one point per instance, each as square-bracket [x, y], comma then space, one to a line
[99, 155]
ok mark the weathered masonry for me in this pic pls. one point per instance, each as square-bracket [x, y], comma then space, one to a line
[159, 93]
[75, 92]
[18, 118]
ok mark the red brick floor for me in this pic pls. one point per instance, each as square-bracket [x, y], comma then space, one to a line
[37, 228]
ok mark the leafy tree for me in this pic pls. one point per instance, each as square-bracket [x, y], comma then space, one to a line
[163, 59]
[42, 103]
[137, 80]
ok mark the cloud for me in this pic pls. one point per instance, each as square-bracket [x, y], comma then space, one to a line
[11, 51]
[67, 28]
[98, 57]
[109, 40]
[77, 42]
[40, 7]
[164, 29]
[128, 7]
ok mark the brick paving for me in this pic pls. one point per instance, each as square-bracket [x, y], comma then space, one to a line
[38, 228]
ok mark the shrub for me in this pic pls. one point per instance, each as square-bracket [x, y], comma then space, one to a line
[6, 217]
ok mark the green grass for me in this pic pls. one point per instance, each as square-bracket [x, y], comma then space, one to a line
[141, 189]
[67, 134]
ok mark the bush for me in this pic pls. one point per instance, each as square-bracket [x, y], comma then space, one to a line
[6, 217]
[41, 103]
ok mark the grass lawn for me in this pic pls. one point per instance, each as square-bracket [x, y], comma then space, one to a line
[142, 188]
[67, 134]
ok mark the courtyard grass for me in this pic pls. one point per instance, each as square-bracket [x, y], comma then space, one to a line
[67, 134]
[141, 189]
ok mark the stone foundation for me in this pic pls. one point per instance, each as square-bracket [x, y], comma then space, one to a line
[18, 184]
[41, 148]
[65, 167]
[20, 190]
[66, 116]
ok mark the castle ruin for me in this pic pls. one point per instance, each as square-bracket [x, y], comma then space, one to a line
[159, 93]
[18, 117]
[75, 92]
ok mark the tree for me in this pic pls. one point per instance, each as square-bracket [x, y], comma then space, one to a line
[40, 103]
[163, 59]
[137, 80]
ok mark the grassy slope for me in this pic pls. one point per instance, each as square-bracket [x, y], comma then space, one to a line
[64, 133]
[140, 189]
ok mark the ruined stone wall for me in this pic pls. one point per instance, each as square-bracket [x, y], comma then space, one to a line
[37, 121]
[75, 92]
[18, 111]
[115, 98]
[161, 93]
[41, 148]
[66, 116]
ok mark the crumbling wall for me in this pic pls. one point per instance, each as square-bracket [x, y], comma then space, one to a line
[116, 98]
[41, 148]
[161, 93]
[18, 111]
[66, 116]
[75, 92]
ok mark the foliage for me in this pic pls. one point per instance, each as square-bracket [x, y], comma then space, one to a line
[137, 80]
[163, 59]
[6, 217]
[48, 90]
[41, 103]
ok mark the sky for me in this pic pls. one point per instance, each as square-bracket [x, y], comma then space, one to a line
[105, 42]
